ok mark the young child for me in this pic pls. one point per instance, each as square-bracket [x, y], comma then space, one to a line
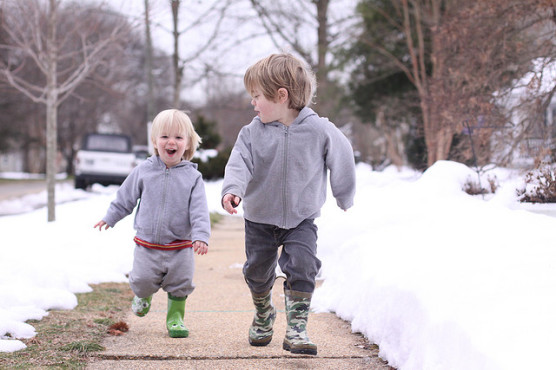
[172, 219]
[278, 168]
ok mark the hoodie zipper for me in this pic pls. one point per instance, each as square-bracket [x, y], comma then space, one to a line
[284, 177]
[163, 204]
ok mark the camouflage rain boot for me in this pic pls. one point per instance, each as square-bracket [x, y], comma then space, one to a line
[174, 317]
[260, 332]
[141, 306]
[297, 312]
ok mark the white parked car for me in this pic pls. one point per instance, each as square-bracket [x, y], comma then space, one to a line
[103, 158]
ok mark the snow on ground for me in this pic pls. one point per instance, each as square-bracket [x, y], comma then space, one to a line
[437, 278]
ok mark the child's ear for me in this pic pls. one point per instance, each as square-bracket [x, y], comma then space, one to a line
[282, 95]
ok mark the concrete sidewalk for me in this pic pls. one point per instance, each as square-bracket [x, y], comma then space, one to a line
[218, 315]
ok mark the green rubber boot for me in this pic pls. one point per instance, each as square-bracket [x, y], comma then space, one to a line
[260, 332]
[297, 313]
[174, 317]
[141, 306]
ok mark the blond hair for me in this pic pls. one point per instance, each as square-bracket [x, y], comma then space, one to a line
[173, 120]
[282, 71]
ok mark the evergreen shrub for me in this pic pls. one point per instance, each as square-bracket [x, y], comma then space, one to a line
[213, 168]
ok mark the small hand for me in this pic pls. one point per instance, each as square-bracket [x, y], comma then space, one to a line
[230, 202]
[200, 247]
[100, 224]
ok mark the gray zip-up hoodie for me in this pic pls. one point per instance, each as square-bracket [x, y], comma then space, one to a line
[280, 172]
[172, 202]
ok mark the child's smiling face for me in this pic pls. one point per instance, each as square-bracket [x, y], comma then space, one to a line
[171, 146]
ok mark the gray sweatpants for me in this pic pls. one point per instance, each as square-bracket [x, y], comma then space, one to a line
[298, 259]
[170, 270]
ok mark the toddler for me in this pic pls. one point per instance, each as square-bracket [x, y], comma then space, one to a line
[172, 219]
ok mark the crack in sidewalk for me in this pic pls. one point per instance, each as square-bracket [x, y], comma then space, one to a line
[185, 357]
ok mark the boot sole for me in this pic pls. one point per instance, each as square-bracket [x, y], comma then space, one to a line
[300, 350]
[178, 333]
[260, 342]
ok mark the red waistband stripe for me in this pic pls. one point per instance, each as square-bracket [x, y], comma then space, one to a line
[176, 244]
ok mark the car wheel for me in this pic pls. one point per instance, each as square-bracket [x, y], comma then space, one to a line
[80, 183]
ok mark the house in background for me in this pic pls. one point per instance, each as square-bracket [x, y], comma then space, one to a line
[11, 161]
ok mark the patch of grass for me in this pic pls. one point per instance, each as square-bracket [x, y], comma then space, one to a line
[7, 181]
[66, 339]
[82, 346]
[106, 321]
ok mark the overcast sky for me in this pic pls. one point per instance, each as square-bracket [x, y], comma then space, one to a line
[229, 56]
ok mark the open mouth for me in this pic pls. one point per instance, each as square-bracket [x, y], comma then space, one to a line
[171, 151]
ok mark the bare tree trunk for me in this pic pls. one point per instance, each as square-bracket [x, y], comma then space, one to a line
[51, 111]
[438, 133]
[149, 64]
[441, 128]
[394, 145]
[417, 15]
[322, 50]
[51, 150]
[178, 70]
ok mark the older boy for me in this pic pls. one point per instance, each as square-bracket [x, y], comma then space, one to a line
[279, 168]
